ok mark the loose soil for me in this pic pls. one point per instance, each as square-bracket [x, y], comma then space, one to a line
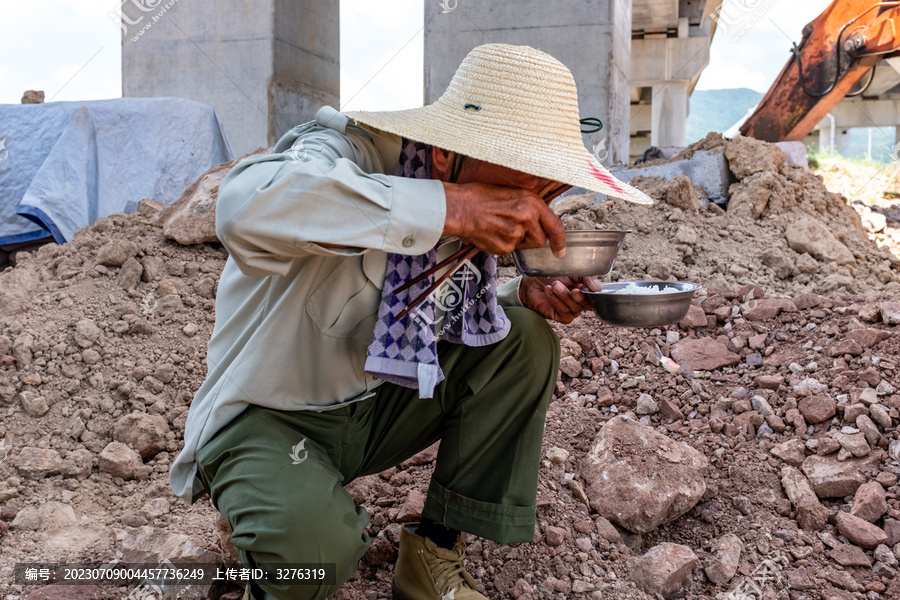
[98, 341]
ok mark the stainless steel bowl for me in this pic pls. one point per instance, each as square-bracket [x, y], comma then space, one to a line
[588, 253]
[643, 310]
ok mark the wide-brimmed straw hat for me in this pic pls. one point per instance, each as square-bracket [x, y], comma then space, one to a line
[512, 106]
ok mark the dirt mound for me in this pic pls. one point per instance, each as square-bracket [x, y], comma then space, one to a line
[102, 347]
[712, 141]
[783, 230]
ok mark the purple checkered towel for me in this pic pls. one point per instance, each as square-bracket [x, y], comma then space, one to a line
[464, 308]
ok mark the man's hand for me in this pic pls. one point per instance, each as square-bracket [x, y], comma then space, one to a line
[500, 219]
[557, 298]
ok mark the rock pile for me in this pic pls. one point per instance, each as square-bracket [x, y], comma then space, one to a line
[102, 346]
[771, 460]
[783, 231]
[801, 389]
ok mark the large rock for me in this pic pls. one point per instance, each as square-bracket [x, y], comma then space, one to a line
[868, 337]
[571, 204]
[150, 545]
[155, 546]
[854, 443]
[860, 532]
[192, 218]
[811, 514]
[783, 265]
[767, 308]
[130, 274]
[845, 346]
[818, 408]
[37, 463]
[7, 492]
[831, 478]
[704, 354]
[892, 529]
[116, 252]
[57, 515]
[640, 478]
[119, 460]
[695, 317]
[23, 349]
[33, 97]
[87, 333]
[570, 366]
[793, 452]
[27, 519]
[890, 312]
[147, 433]
[747, 156]
[78, 463]
[809, 235]
[36, 406]
[870, 502]
[848, 555]
[665, 569]
[412, 508]
[7, 391]
[677, 190]
[844, 580]
[725, 559]
[750, 198]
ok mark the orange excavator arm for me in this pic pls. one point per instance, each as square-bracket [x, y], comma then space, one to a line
[837, 49]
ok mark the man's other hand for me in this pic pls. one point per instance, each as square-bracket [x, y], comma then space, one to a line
[557, 298]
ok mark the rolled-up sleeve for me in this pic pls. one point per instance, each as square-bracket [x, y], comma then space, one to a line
[324, 188]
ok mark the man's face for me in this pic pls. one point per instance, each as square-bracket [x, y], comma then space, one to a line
[479, 171]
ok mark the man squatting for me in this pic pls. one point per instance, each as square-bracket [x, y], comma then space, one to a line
[313, 380]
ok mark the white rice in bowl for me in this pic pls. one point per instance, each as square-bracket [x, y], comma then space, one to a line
[644, 290]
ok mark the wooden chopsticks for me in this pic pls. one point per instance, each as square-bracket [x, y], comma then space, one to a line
[464, 254]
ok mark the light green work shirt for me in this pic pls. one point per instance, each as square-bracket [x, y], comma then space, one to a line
[294, 319]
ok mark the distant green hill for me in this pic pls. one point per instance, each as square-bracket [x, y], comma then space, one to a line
[717, 110]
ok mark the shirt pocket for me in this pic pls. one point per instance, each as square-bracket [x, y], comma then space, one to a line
[345, 304]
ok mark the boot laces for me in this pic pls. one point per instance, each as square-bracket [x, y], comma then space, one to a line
[448, 570]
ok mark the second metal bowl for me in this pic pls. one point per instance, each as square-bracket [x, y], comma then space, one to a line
[588, 253]
[643, 310]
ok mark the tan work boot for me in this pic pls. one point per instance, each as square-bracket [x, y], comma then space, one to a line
[426, 571]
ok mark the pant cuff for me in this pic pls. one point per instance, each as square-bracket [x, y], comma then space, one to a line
[502, 523]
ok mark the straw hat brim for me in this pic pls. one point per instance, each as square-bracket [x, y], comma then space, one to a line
[566, 161]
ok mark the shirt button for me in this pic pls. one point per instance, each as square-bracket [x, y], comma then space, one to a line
[409, 241]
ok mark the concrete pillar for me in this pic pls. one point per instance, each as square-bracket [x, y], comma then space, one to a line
[669, 66]
[669, 114]
[591, 37]
[842, 140]
[265, 66]
[825, 140]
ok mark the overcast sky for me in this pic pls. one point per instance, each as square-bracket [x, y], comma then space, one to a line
[71, 49]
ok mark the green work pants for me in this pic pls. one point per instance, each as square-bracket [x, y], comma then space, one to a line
[288, 505]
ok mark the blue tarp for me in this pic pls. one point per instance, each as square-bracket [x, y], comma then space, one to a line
[63, 165]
